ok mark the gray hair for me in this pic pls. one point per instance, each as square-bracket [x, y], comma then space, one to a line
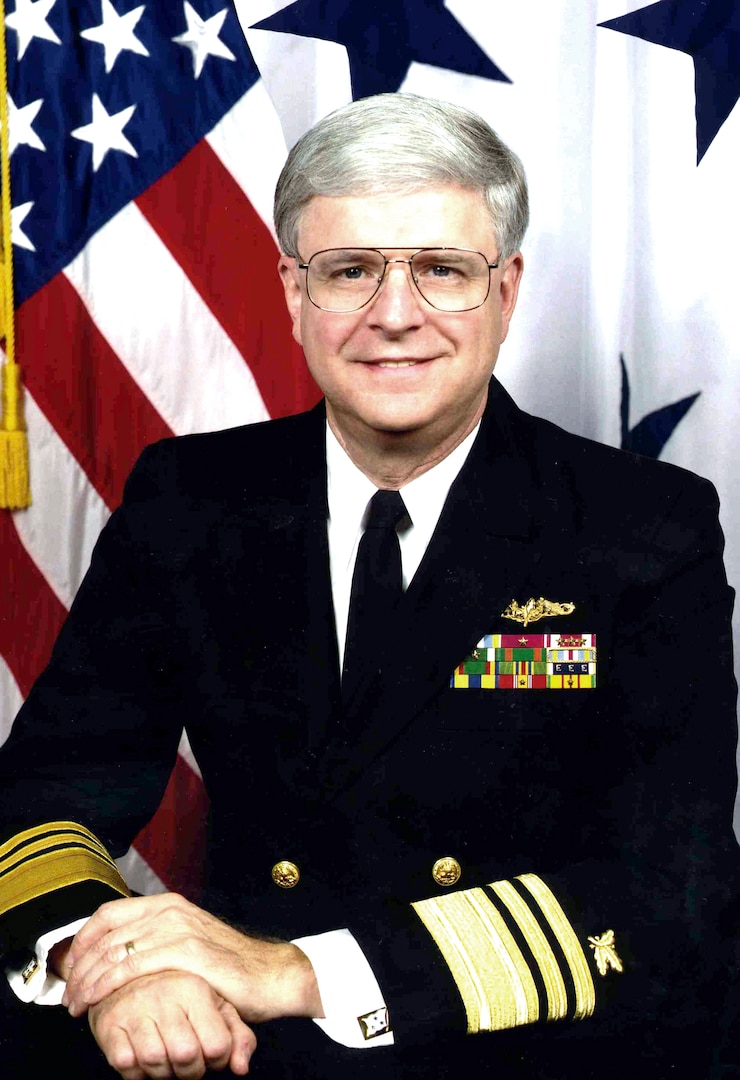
[395, 143]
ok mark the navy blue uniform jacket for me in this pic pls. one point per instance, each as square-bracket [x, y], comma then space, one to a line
[208, 605]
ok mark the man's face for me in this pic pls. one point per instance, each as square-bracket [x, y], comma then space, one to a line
[398, 364]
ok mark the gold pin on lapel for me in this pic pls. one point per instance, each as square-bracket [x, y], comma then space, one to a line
[534, 610]
[605, 953]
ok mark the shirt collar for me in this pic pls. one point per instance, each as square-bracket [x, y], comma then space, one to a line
[349, 490]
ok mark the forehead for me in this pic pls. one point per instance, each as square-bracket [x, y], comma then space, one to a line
[443, 216]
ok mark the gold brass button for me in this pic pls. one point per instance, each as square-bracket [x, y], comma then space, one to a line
[285, 874]
[446, 871]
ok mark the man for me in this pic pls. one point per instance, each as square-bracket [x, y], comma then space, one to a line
[482, 824]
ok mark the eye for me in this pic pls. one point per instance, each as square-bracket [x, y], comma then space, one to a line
[347, 273]
[440, 271]
[352, 273]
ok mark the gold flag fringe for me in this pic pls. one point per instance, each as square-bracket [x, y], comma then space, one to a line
[15, 488]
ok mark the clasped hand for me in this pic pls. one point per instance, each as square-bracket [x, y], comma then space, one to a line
[125, 959]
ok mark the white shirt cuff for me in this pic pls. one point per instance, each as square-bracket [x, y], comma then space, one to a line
[355, 1012]
[34, 982]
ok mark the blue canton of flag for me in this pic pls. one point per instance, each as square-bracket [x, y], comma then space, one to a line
[105, 101]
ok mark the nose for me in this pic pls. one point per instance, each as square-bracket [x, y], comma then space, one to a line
[399, 305]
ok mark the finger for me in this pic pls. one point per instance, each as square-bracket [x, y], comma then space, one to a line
[115, 950]
[211, 1030]
[243, 1040]
[108, 949]
[182, 1046]
[119, 947]
[116, 914]
[149, 1048]
[107, 917]
[91, 990]
[119, 1053]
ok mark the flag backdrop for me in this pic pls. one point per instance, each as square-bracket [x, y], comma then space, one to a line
[146, 140]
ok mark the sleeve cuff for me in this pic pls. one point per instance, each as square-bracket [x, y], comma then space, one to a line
[34, 982]
[514, 955]
[355, 1012]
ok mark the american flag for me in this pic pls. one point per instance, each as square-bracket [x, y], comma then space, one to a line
[146, 142]
[144, 150]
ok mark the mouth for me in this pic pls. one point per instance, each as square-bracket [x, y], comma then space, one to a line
[396, 361]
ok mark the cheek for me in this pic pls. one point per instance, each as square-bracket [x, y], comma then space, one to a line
[324, 337]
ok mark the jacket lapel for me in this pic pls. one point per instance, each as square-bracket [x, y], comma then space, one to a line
[289, 510]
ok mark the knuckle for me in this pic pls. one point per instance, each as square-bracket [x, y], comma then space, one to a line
[121, 1057]
[104, 912]
[216, 1047]
[183, 1051]
[151, 1055]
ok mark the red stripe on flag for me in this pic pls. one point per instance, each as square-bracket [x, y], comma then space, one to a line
[174, 841]
[83, 389]
[232, 264]
[31, 616]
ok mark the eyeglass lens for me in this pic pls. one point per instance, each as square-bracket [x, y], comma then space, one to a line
[451, 279]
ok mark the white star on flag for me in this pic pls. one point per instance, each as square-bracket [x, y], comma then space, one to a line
[29, 20]
[201, 37]
[106, 132]
[17, 216]
[116, 33]
[20, 130]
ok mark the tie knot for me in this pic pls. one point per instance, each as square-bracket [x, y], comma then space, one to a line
[386, 510]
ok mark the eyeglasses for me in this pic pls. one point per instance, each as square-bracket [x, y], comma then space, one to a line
[346, 279]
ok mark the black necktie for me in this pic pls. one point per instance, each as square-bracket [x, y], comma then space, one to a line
[377, 585]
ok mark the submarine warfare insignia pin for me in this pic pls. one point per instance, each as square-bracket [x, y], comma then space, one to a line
[605, 953]
[534, 610]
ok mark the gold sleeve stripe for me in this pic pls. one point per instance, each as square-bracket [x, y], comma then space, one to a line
[54, 841]
[50, 857]
[551, 909]
[557, 995]
[47, 829]
[491, 974]
[53, 871]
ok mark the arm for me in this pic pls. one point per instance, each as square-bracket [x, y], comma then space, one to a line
[619, 804]
[91, 750]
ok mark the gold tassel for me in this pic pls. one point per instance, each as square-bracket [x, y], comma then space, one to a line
[15, 487]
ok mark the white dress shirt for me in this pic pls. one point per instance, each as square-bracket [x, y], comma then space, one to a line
[347, 984]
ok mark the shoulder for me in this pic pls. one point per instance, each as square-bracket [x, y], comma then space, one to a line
[598, 474]
[599, 494]
[256, 458]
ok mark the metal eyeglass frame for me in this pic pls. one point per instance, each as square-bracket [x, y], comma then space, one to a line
[381, 279]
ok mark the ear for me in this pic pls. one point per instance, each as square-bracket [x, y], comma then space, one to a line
[509, 289]
[290, 277]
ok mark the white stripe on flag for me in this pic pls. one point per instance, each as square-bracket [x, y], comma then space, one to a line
[252, 120]
[139, 875]
[10, 700]
[186, 753]
[187, 366]
[62, 553]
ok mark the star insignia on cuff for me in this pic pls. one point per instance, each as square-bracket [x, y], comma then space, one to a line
[374, 1023]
